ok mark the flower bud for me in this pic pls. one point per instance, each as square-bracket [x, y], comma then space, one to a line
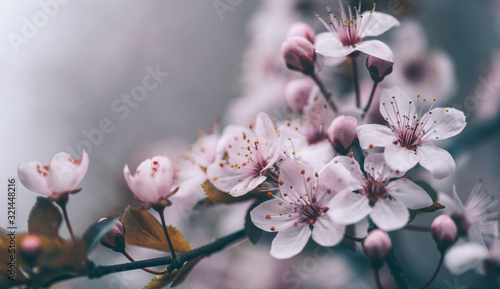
[152, 182]
[115, 237]
[444, 231]
[378, 68]
[342, 133]
[30, 248]
[299, 54]
[376, 246]
[303, 30]
[297, 94]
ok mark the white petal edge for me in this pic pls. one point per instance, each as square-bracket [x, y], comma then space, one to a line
[326, 232]
[376, 48]
[399, 158]
[390, 215]
[290, 241]
[463, 257]
[412, 195]
[436, 160]
[374, 134]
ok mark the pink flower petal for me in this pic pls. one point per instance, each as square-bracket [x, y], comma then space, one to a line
[389, 215]
[267, 215]
[377, 168]
[389, 106]
[326, 232]
[376, 48]
[442, 123]
[412, 195]
[374, 134]
[348, 208]
[376, 23]
[290, 241]
[332, 47]
[32, 179]
[437, 160]
[400, 158]
[463, 257]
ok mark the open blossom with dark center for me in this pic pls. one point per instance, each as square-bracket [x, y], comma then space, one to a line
[245, 156]
[302, 210]
[152, 182]
[410, 137]
[346, 34]
[305, 136]
[60, 177]
[477, 219]
[385, 200]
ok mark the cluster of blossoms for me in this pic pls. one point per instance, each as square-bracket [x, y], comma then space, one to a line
[321, 169]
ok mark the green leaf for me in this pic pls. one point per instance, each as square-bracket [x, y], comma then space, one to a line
[44, 218]
[95, 233]
[251, 230]
[142, 229]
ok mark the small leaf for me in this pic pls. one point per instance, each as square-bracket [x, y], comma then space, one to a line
[184, 271]
[161, 281]
[432, 208]
[218, 197]
[44, 218]
[251, 230]
[142, 229]
[95, 233]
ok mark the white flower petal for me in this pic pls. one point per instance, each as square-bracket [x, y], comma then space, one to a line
[463, 257]
[374, 134]
[437, 160]
[348, 208]
[377, 168]
[290, 241]
[326, 232]
[396, 105]
[267, 215]
[376, 48]
[412, 195]
[266, 135]
[246, 185]
[332, 47]
[390, 215]
[32, 179]
[442, 123]
[376, 23]
[399, 158]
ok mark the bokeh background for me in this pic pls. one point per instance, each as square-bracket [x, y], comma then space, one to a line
[63, 74]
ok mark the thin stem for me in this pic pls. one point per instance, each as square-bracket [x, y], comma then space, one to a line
[418, 228]
[145, 269]
[205, 250]
[62, 204]
[372, 94]
[354, 238]
[324, 91]
[377, 279]
[397, 271]
[356, 82]
[441, 259]
[170, 245]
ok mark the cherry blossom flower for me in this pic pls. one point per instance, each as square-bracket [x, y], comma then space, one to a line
[152, 182]
[59, 178]
[346, 35]
[476, 219]
[306, 136]
[302, 210]
[245, 156]
[386, 201]
[410, 137]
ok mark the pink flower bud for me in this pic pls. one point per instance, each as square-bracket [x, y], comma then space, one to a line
[30, 248]
[303, 30]
[297, 93]
[444, 231]
[299, 54]
[376, 246]
[115, 237]
[152, 182]
[342, 133]
[378, 68]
